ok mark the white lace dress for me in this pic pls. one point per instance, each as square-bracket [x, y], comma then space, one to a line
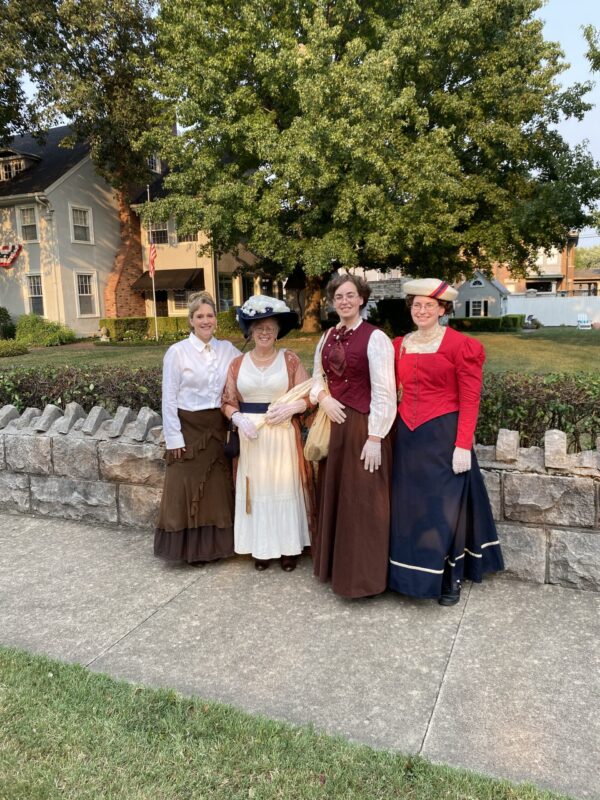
[270, 513]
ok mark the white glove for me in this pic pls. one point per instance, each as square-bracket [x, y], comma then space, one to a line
[461, 460]
[333, 408]
[245, 426]
[371, 455]
[281, 412]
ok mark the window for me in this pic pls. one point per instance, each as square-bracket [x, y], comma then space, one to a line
[180, 299]
[187, 237]
[36, 299]
[159, 233]
[85, 294]
[225, 292]
[9, 168]
[153, 162]
[476, 308]
[477, 282]
[81, 225]
[28, 224]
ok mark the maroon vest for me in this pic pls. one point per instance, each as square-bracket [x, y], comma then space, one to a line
[353, 386]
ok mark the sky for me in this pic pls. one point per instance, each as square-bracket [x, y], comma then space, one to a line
[563, 22]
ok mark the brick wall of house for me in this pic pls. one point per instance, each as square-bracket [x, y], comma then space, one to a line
[120, 300]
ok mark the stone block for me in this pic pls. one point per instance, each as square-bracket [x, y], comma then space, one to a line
[131, 463]
[29, 453]
[575, 559]
[73, 413]
[138, 505]
[507, 445]
[146, 419]
[14, 492]
[494, 489]
[51, 414]
[155, 436]
[7, 414]
[552, 499]
[27, 418]
[486, 454]
[93, 501]
[531, 459]
[95, 418]
[2, 456]
[555, 447]
[122, 418]
[524, 551]
[75, 457]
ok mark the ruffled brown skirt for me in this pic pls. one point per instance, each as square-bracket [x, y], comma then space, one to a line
[352, 541]
[195, 521]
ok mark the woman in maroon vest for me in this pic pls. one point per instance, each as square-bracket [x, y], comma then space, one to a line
[357, 362]
[442, 524]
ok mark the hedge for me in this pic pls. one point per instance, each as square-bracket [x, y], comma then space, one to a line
[172, 328]
[531, 404]
[39, 332]
[9, 348]
[509, 322]
[7, 326]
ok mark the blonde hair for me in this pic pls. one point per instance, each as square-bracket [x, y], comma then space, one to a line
[197, 299]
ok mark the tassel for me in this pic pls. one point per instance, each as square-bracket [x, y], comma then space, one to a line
[248, 503]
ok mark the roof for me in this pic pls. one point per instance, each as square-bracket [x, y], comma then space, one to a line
[170, 279]
[52, 161]
[586, 274]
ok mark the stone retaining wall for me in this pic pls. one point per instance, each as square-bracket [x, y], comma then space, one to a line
[99, 468]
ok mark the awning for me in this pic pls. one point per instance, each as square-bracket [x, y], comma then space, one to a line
[170, 279]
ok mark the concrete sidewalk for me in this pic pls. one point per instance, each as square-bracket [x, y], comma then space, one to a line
[506, 683]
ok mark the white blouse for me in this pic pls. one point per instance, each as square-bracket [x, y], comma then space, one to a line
[380, 353]
[194, 375]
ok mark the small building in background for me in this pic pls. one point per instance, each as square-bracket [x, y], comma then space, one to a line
[481, 296]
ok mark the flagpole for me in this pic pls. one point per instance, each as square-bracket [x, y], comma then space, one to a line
[152, 275]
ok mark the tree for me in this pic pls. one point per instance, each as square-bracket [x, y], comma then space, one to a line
[370, 133]
[587, 257]
[88, 61]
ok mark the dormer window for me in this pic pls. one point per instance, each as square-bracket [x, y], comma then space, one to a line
[9, 168]
[477, 282]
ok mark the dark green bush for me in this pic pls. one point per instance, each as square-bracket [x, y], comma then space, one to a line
[8, 348]
[7, 326]
[512, 322]
[89, 386]
[392, 316]
[226, 324]
[117, 328]
[480, 324]
[39, 332]
[533, 404]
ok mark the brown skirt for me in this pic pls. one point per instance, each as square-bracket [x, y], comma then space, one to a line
[195, 521]
[352, 541]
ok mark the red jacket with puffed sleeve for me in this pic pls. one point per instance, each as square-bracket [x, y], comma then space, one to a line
[438, 383]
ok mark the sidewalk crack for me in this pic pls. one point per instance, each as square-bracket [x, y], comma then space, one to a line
[443, 680]
[142, 622]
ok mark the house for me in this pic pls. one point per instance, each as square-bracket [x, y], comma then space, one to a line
[60, 232]
[481, 296]
[179, 268]
[554, 272]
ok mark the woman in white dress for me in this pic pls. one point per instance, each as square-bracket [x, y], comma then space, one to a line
[274, 499]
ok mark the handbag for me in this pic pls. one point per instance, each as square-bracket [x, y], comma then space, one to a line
[231, 447]
[316, 446]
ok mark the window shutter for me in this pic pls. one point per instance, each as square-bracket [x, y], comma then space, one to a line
[467, 308]
[485, 308]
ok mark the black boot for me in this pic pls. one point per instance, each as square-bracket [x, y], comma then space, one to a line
[450, 593]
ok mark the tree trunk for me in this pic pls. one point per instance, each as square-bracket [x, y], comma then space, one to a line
[120, 299]
[312, 304]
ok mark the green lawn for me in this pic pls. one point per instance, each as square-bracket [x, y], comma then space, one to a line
[69, 734]
[544, 350]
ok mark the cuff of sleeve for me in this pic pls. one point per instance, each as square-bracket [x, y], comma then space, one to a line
[465, 444]
[174, 441]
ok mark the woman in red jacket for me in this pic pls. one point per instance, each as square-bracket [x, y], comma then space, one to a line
[442, 526]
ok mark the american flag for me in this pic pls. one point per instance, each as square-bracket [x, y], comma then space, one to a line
[152, 260]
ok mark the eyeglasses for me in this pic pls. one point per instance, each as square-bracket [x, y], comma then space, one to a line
[350, 296]
[265, 329]
[431, 307]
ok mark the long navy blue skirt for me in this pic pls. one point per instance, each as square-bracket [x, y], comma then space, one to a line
[441, 522]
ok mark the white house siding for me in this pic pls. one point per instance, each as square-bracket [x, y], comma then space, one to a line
[84, 189]
[553, 310]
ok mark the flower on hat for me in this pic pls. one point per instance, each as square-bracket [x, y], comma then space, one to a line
[261, 304]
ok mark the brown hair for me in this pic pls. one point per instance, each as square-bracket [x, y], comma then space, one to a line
[447, 305]
[197, 299]
[362, 287]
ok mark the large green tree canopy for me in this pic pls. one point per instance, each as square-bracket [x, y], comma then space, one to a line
[416, 133]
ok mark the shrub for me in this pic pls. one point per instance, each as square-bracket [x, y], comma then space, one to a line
[512, 322]
[39, 332]
[226, 324]
[7, 326]
[117, 328]
[10, 348]
[480, 324]
[393, 316]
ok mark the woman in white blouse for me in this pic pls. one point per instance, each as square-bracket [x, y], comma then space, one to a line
[195, 521]
[356, 361]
